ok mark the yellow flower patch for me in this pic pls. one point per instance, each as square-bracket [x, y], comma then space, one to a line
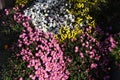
[80, 9]
[67, 33]
[21, 2]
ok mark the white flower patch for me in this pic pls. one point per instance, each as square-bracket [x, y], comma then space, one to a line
[49, 15]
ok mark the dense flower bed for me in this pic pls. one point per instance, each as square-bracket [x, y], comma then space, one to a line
[53, 40]
[42, 51]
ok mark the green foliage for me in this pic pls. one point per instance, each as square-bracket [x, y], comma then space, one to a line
[9, 33]
[107, 15]
[9, 30]
[16, 68]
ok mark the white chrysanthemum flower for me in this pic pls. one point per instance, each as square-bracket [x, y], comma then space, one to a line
[49, 15]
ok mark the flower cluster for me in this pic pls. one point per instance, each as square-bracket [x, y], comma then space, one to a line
[67, 33]
[80, 9]
[42, 52]
[107, 40]
[61, 44]
[89, 57]
[21, 2]
[49, 15]
[83, 53]
[115, 53]
[19, 18]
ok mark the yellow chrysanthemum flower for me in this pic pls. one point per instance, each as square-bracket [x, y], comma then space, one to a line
[67, 33]
[21, 2]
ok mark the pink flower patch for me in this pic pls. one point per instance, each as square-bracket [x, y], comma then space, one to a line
[81, 55]
[93, 65]
[76, 49]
